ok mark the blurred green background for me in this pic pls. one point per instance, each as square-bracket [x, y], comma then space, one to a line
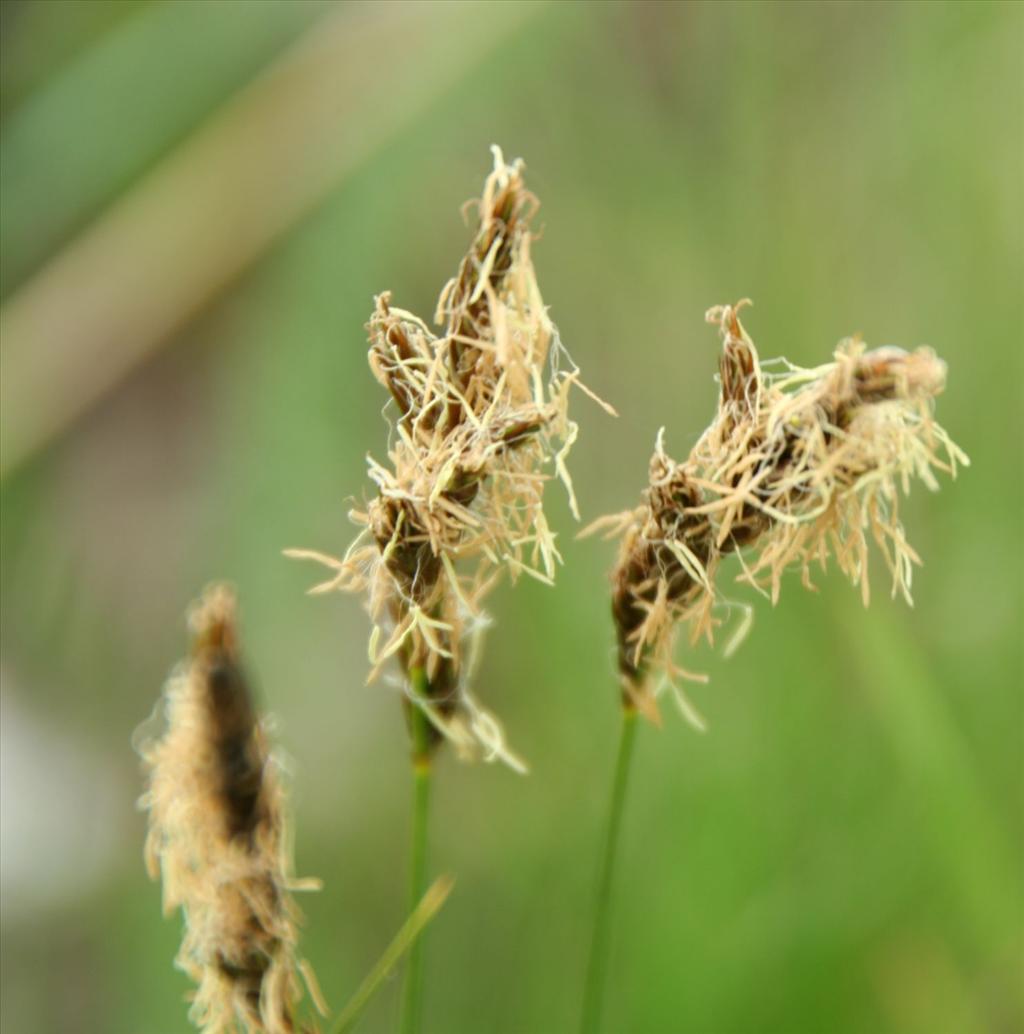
[199, 201]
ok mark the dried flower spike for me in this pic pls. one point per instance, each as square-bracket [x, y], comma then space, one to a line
[797, 464]
[479, 425]
[218, 837]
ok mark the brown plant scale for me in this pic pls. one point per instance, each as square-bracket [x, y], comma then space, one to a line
[217, 836]
[477, 431]
[796, 464]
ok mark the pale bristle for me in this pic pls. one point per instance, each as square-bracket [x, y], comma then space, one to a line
[217, 836]
[482, 420]
[797, 464]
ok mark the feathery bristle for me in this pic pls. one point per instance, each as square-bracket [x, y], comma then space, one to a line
[797, 464]
[217, 837]
[479, 426]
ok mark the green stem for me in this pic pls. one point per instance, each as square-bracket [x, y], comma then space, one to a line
[419, 726]
[593, 993]
[411, 930]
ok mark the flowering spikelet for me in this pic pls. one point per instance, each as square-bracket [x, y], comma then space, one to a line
[217, 836]
[796, 464]
[461, 496]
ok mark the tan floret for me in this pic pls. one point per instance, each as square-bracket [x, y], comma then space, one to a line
[218, 838]
[482, 424]
[796, 465]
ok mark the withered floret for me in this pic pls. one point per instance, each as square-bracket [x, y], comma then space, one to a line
[217, 836]
[482, 418]
[797, 464]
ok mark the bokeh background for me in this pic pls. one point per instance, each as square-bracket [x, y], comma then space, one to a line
[199, 201]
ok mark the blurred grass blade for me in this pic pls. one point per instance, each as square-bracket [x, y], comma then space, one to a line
[221, 199]
[78, 108]
[428, 907]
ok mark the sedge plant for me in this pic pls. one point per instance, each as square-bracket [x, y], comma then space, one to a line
[480, 424]
[219, 836]
[796, 465]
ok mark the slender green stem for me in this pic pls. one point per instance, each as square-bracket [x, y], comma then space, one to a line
[419, 726]
[411, 929]
[593, 993]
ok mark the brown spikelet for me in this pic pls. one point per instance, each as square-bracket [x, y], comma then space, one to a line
[797, 464]
[482, 419]
[217, 837]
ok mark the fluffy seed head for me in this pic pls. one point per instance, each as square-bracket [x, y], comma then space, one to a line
[217, 837]
[797, 464]
[482, 424]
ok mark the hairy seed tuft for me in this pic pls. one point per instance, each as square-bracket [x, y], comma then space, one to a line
[796, 465]
[218, 839]
[482, 424]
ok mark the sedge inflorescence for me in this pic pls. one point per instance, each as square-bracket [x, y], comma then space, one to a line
[218, 838]
[481, 425]
[797, 464]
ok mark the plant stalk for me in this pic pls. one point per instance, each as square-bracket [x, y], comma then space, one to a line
[419, 727]
[411, 930]
[593, 993]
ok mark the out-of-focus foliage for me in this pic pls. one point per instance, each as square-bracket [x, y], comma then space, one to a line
[842, 851]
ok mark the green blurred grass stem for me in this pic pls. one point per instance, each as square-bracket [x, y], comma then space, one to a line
[593, 991]
[407, 937]
[419, 726]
